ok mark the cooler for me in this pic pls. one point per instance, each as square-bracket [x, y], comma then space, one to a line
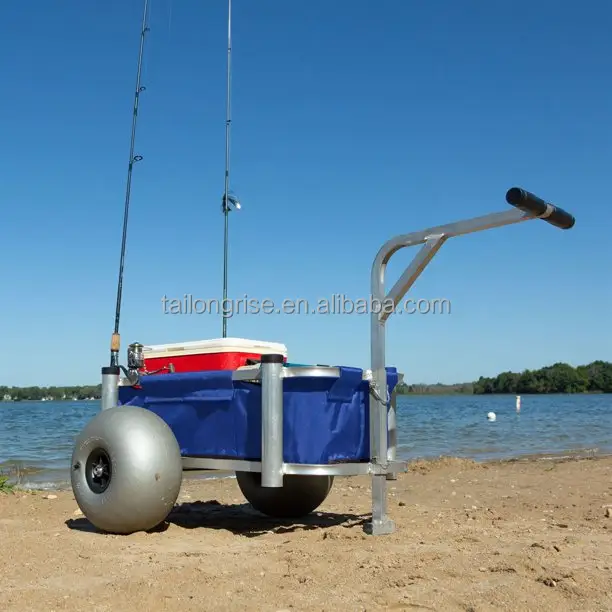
[202, 355]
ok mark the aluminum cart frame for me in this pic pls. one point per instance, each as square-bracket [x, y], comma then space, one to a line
[383, 464]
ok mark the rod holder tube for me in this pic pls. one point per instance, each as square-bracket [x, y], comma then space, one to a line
[110, 387]
[272, 464]
[392, 425]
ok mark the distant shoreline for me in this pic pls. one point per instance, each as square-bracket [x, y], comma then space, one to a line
[559, 378]
[401, 393]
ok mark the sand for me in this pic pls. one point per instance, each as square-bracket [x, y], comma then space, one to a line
[500, 536]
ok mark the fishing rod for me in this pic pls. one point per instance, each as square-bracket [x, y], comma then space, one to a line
[229, 201]
[116, 339]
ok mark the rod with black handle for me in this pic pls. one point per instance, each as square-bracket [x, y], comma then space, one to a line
[531, 204]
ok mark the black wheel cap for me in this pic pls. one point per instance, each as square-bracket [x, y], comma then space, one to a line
[98, 470]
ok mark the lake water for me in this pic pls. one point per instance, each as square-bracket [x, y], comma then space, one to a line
[38, 437]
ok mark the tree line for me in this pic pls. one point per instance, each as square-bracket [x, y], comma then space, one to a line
[596, 377]
[17, 394]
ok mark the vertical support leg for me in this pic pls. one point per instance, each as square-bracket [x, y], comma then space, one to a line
[110, 387]
[272, 465]
[381, 523]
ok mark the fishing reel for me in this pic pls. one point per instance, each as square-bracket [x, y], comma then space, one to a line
[136, 364]
[135, 358]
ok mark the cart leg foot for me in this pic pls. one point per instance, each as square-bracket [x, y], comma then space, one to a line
[381, 524]
[381, 527]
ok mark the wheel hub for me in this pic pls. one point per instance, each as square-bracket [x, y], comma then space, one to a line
[98, 471]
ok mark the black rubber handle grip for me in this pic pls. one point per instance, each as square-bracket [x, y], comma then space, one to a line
[529, 203]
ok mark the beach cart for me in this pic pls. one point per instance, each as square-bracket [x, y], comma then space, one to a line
[286, 430]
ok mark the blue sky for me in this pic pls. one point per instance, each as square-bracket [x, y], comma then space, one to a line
[353, 121]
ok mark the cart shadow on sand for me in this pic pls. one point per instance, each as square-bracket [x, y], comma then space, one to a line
[239, 519]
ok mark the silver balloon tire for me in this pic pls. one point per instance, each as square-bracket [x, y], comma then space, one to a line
[298, 497]
[141, 473]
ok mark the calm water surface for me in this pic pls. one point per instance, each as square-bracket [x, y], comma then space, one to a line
[38, 437]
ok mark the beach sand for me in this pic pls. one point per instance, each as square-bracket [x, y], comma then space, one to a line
[533, 535]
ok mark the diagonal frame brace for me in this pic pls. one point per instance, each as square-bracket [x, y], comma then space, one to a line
[427, 252]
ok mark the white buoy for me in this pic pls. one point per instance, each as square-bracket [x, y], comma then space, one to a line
[491, 416]
[518, 403]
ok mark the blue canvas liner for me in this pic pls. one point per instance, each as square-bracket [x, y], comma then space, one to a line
[325, 419]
